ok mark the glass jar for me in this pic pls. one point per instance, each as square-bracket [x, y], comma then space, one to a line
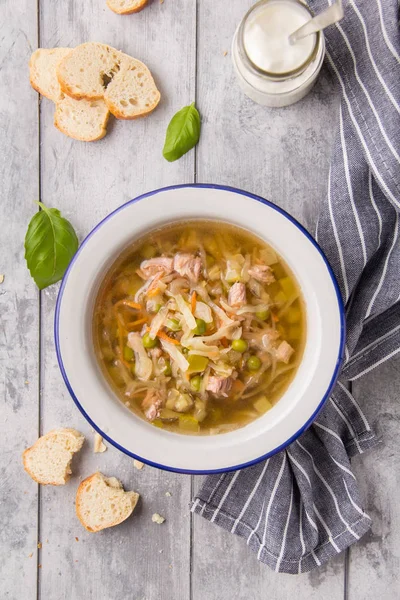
[266, 81]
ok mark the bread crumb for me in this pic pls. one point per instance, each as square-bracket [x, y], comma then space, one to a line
[47, 541]
[26, 382]
[2, 278]
[138, 465]
[76, 539]
[168, 494]
[161, 1]
[39, 566]
[99, 445]
[156, 518]
[39, 545]
[30, 555]
[226, 52]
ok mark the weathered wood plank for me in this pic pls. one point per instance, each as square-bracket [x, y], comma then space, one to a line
[19, 302]
[139, 559]
[375, 560]
[282, 155]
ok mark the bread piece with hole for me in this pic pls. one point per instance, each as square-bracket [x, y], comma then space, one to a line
[126, 7]
[42, 71]
[87, 70]
[132, 93]
[48, 461]
[101, 502]
[96, 70]
[84, 120]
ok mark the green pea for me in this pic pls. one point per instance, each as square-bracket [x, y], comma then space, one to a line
[185, 350]
[262, 314]
[173, 324]
[239, 345]
[167, 369]
[195, 383]
[201, 327]
[128, 353]
[148, 342]
[253, 363]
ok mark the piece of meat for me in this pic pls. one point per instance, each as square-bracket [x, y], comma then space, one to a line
[155, 352]
[237, 295]
[262, 273]
[284, 352]
[155, 266]
[219, 386]
[269, 337]
[151, 404]
[188, 265]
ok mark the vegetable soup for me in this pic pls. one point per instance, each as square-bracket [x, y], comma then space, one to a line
[199, 327]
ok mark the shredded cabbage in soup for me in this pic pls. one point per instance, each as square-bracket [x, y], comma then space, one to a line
[199, 327]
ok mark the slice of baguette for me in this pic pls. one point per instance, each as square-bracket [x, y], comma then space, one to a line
[132, 93]
[48, 461]
[94, 70]
[42, 71]
[86, 71]
[126, 7]
[101, 502]
[84, 120]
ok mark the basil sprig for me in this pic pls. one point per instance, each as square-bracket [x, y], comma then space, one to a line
[50, 244]
[183, 133]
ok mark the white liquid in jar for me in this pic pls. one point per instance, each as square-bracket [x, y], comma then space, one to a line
[266, 37]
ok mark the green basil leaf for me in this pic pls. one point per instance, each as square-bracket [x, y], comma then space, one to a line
[183, 133]
[50, 244]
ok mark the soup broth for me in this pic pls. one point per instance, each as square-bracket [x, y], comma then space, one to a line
[199, 327]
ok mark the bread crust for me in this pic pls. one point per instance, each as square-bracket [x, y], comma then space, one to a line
[129, 11]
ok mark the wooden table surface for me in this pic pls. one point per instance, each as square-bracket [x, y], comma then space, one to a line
[282, 154]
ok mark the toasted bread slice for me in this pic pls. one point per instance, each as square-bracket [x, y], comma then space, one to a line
[84, 120]
[126, 7]
[132, 93]
[101, 502]
[42, 71]
[86, 71]
[48, 461]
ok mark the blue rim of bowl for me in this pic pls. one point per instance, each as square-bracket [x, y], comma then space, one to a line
[338, 362]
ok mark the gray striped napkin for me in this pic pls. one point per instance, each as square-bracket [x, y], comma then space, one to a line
[302, 506]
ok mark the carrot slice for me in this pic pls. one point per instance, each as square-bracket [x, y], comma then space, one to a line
[152, 292]
[224, 342]
[237, 386]
[164, 336]
[129, 303]
[274, 317]
[193, 301]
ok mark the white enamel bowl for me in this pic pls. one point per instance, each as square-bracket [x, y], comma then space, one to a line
[299, 405]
